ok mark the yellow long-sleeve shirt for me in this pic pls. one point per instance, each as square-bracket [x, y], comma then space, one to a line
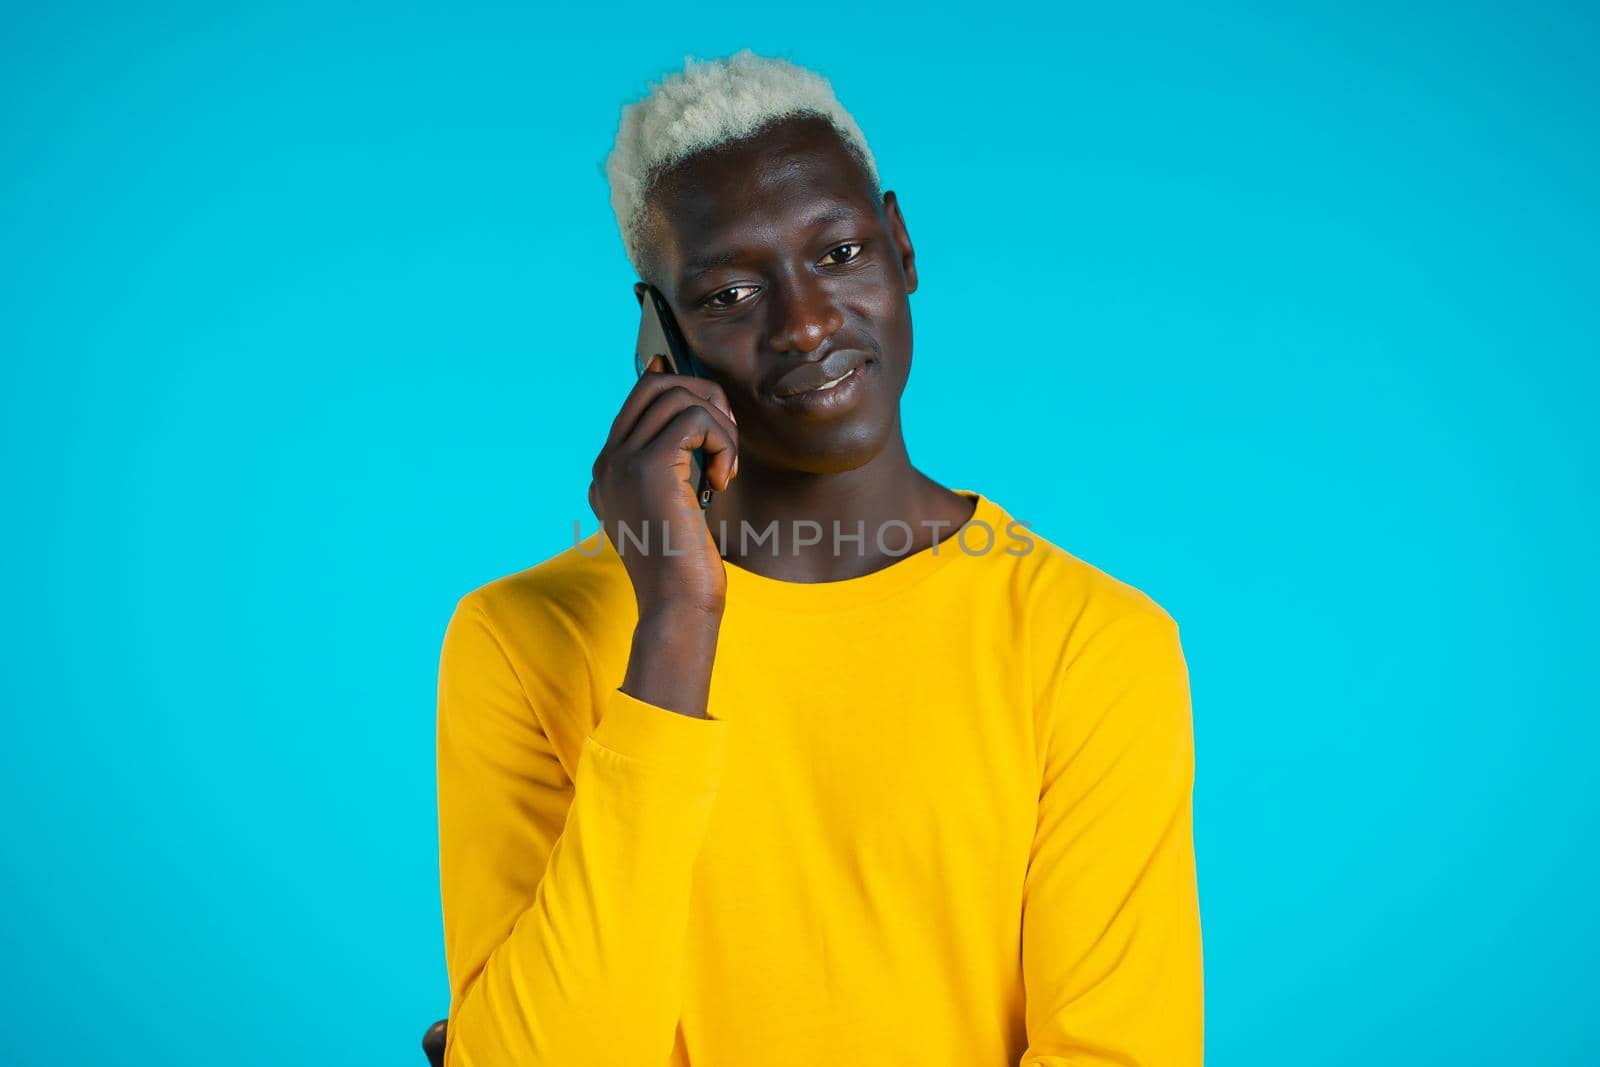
[940, 815]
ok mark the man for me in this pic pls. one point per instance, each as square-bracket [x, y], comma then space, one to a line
[904, 793]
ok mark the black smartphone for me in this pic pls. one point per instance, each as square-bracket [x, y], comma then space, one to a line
[659, 336]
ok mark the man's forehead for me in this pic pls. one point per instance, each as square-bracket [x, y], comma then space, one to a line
[702, 248]
[771, 188]
[715, 191]
[704, 231]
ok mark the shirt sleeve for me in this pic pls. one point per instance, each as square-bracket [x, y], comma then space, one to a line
[1111, 943]
[565, 901]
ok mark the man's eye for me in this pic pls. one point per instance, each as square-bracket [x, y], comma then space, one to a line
[848, 245]
[717, 299]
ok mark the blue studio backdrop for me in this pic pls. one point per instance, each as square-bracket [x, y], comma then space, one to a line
[313, 318]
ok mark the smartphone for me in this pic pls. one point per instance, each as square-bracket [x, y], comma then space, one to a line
[659, 336]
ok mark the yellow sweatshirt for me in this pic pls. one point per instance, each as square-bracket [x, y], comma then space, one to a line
[940, 817]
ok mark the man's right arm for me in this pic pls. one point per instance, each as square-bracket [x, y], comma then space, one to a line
[566, 901]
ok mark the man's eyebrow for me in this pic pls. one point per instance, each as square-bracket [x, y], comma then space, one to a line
[705, 264]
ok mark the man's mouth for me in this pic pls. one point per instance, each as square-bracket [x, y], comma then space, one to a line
[832, 398]
[829, 385]
[817, 376]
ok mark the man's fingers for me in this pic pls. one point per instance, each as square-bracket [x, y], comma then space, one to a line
[697, 426]
[667, 406]
[652, 384]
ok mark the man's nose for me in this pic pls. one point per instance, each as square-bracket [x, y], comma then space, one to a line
[802, 316]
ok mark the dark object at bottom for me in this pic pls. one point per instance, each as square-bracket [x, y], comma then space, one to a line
[433, 1044]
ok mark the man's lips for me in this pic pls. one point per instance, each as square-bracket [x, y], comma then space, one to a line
[813, 375]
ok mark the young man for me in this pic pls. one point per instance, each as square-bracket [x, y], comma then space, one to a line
[907, 792]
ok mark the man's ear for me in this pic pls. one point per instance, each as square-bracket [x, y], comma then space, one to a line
[902, 239]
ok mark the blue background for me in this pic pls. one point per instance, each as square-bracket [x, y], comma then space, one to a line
[313, 320]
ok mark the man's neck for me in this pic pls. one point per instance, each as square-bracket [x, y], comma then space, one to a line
[783, 524]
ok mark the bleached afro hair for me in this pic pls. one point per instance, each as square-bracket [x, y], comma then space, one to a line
[709, 104]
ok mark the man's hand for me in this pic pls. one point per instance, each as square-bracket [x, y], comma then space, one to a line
[642, 496]
[641, 493]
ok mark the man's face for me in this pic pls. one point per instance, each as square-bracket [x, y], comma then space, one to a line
[776, 258]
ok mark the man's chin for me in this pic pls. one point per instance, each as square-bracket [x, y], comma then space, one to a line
[839, 448]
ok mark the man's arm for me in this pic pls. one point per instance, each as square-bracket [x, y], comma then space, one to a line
[565, 900]
[1111, 945]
